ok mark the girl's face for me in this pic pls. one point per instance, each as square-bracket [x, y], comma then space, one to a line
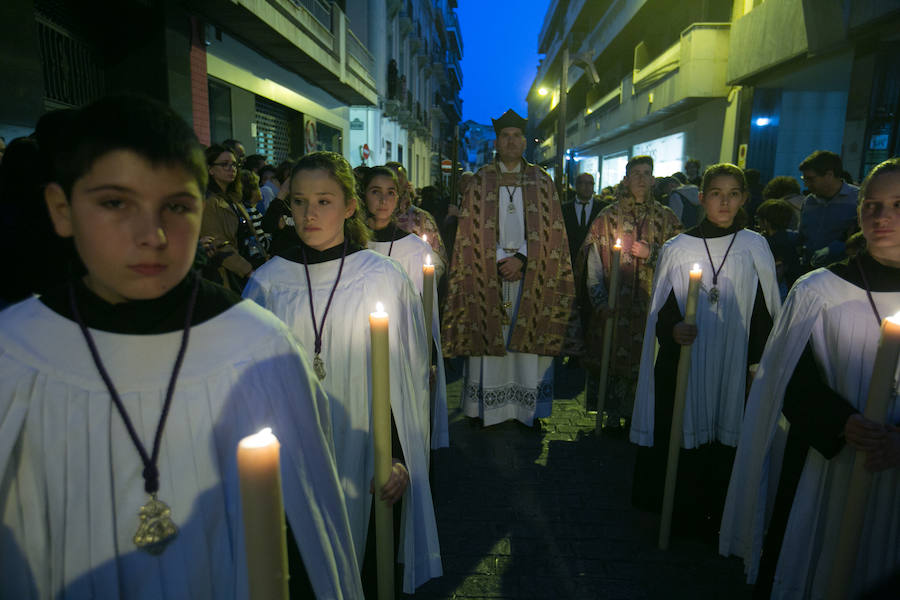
[135, 225]
[381, 199]
[319, 208]
[879, 216]
[224, 169]
[722, 200]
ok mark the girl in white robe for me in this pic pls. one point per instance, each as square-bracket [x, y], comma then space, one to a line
[324, 289]
[379, 185]
[803, 424]
[738, 297]
[128, 189]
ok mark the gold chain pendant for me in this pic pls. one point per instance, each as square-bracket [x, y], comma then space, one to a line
[157, 528]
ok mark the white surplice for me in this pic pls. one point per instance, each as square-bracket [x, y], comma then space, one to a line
[517, 385]
[836, 318]
[410, 251]
[368, 277]
[714, 405]
[70, 476]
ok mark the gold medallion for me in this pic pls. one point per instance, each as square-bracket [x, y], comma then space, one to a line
[157, 528]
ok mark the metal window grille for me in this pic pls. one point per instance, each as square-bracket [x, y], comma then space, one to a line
[272, 130]
[72, 74]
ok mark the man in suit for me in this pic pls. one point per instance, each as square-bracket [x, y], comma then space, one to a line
[579, 214]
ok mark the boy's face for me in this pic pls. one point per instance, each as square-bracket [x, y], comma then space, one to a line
[135, 225]
[639, 180]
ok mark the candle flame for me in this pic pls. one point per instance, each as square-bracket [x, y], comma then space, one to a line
[696, 267]
[895, 318]
[425, 237]
[379, 307]
[263, 437]
[618, 245]
[428, 259]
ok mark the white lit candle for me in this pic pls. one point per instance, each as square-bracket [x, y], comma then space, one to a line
[608, 330]
[381, 434]
[675, 433]
[428, 301]
[881, 393]
[265, 539]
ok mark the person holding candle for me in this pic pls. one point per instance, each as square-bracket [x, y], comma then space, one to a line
[642, 224]
[124, 392]
[803, 425]
[379, 187]
[737, 300]
[325, 288]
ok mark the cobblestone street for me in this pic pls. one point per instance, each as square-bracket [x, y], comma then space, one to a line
[528, 513]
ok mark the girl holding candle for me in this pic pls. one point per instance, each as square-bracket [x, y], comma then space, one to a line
[738, 297]
[379, 186]
[324, 288]
[803, 425]
[124, 393]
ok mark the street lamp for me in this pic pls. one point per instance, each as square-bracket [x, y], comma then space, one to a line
[586, 61]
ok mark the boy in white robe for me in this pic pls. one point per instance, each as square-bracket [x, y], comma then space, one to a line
[738, 295]
[803, 425]
[95, 420]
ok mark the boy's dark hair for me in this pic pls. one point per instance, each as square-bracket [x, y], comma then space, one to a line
[267, 168]
[821, 161]
[126, 122]
[692, 162]
[642, 159]
[254, 162]
[781, 187]
[776, 212]
[720, 169]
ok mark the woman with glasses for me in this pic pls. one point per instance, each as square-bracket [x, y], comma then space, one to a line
[224, 216]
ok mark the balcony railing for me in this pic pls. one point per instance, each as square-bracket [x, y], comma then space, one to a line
[357, 50]
[319, 9]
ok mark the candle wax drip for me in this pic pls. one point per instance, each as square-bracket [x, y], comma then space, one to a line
[157, 528]
[319, 367]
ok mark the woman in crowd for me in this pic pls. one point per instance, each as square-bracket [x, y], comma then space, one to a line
[738, 298]
[324, 288]
[803, 425]
[379, 186]
[224, 216]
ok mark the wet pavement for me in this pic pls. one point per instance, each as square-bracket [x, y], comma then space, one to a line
[545, 513]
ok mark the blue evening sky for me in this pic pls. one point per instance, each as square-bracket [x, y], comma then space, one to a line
[500, 39]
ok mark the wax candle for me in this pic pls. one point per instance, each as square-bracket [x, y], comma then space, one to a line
[881, 393]
[695, 275]
[690, 306]
[608, 329]
[265, 538]
[616, 257]
[428, 304]
[381, 434]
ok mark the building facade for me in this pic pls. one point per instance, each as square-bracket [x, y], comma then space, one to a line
[284, 77]
[761, 83]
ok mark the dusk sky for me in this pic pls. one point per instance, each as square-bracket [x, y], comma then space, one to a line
[500, 56]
